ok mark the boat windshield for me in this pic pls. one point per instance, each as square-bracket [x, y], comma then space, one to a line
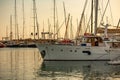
[93, 41]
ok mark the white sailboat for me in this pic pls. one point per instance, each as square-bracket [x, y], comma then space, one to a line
[88, 47]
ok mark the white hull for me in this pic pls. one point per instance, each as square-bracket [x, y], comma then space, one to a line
[71, 52]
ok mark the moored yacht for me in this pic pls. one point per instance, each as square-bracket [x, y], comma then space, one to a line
[88, 48]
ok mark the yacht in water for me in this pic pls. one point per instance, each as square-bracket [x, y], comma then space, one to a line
[86, 47]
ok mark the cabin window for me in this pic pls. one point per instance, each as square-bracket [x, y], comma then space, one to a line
[70, 50]
[75, 50]
[89, 40]
[52, 49]
[61, 50]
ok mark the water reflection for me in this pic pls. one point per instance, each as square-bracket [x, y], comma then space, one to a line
[78, 70]
[19, 63]
[27, 64]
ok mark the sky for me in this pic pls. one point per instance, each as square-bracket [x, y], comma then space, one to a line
[45, 12]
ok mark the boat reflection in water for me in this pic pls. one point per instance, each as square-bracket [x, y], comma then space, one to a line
[78, 70]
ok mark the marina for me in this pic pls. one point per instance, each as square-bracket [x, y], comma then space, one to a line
[60, 40]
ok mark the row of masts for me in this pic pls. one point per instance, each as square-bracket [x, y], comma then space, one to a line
[67, 20]
[16, 22]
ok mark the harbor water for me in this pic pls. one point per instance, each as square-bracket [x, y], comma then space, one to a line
[27, 64]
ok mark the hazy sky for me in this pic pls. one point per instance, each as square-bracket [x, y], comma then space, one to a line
[45, 12]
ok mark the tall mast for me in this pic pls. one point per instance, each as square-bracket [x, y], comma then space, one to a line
[15, 19]
[66, 31]
[81, 20]
[49, 25]
[71, 29]
[54, 18]
[16, 23]
[23, 18]
[92, 17]
[10, 27]
[57, 23]
[34, 17]
[36, 25]
[7, 31]
[96, 16]
[64, 12]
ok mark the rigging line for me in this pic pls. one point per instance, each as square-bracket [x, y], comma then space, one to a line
[66, 31]
[64, 13]
[23, 18]
[37, 24]
[88, 25]
[101, 10]
[57, 23]
[71, 28]
[118, 24]
[80, 23]
[60, 27]
[90, 18]
[54, 17]
[103, 14]
[111, 13]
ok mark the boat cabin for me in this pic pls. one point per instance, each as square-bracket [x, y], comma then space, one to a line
[92, 41]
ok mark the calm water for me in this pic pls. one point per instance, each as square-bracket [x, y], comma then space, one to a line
[26, 64]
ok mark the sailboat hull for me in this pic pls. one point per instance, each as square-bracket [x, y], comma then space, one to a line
[54, 52]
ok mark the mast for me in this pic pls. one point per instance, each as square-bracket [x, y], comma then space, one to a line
[10, 27]
[81, 20]
[7, 31]
[15, 19]
[54, 18]
[64, 12]
[36, 25]
[66, 31]
[43, 35]
[57, 23]
[16, 23]
[92, 17]
[23, 17]
[71, 29]
[96, 16]
[34, 17]
[49, 27]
